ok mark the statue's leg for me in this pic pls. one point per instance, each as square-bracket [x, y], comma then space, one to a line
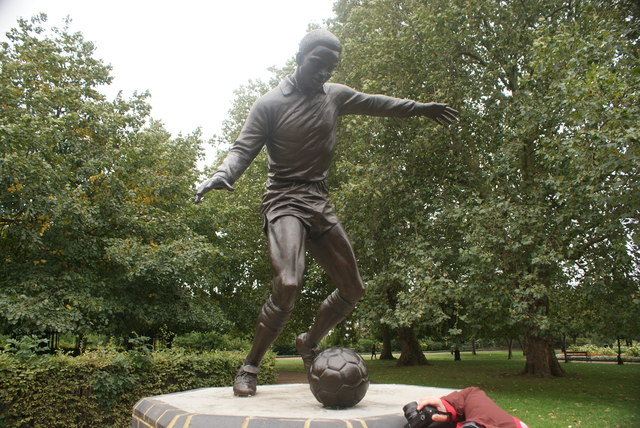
[334, 253]
[286, 237]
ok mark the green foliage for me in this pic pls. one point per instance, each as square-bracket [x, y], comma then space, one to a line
[525, 214]
[206, 341]
[363, 346]
[633, 351]
[594, 350]
[96, 225]
[25, 347]
[285, 349]
[139, 343]
[100, 388]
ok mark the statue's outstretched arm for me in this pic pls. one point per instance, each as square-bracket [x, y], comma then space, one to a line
[218, 181]
[440, 113]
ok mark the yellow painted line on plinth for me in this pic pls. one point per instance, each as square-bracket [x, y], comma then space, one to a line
[307, 423]
[160, 417]
[145, 424]
[175, 419]
[148, 410]
[188, 421]
[245, 423]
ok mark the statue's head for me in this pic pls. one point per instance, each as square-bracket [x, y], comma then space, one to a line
[317, 57]
[316, 38]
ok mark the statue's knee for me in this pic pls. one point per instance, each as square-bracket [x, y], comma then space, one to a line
[285, 293]
[359, 292]
[354, 293]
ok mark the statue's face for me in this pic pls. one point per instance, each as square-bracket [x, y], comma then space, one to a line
[316, 67]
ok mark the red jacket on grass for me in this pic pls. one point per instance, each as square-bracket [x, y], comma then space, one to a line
[473, 405]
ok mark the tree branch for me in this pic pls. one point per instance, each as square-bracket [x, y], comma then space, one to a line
[474, 56]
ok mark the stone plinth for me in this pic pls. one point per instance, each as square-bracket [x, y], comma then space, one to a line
[276, 406]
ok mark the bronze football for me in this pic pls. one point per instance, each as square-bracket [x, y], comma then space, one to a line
[338, 378]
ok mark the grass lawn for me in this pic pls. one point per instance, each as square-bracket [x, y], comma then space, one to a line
[591, 395]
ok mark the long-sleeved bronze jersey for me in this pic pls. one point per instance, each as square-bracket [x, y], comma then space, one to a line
[299, 131]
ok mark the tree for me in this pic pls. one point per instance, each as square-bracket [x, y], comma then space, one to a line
[534, 193]
[94, 208]
[395, 168]
[562, 184]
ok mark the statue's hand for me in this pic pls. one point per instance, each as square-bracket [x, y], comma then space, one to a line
[441, 113]
[215, 182]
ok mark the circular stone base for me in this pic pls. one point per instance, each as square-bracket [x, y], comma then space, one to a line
[276, 406]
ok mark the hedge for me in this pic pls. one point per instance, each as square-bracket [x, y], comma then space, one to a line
[99, 389]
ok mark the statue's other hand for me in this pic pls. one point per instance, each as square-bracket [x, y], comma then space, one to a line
[217, 182]
[441, 113]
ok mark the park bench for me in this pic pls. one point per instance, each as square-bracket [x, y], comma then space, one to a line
[569, 354]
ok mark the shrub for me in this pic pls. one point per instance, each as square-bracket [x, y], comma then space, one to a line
[209, 341]
[285, 349]
[26, 346]
[100, 388]
[364, 346]
[594, 350]
[633, 351]
[434, 345]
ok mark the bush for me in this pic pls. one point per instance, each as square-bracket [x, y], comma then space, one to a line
[364, 346]
[100, 388]
[285, 349]
[434, 345]
[633, 351]
[210, 341]
[594, 350]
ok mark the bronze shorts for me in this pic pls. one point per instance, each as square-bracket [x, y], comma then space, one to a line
[307, 201]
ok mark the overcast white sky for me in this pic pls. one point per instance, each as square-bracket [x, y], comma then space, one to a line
[189, 54]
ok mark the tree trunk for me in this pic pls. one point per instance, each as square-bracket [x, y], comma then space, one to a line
[619, 359]
[541, 359]
[54, 342]
[524, 348]
[386, 353]
[81, 342]
[456, 355]
[169, 338]
[510, 345]
[411, 354]
[473, 347]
